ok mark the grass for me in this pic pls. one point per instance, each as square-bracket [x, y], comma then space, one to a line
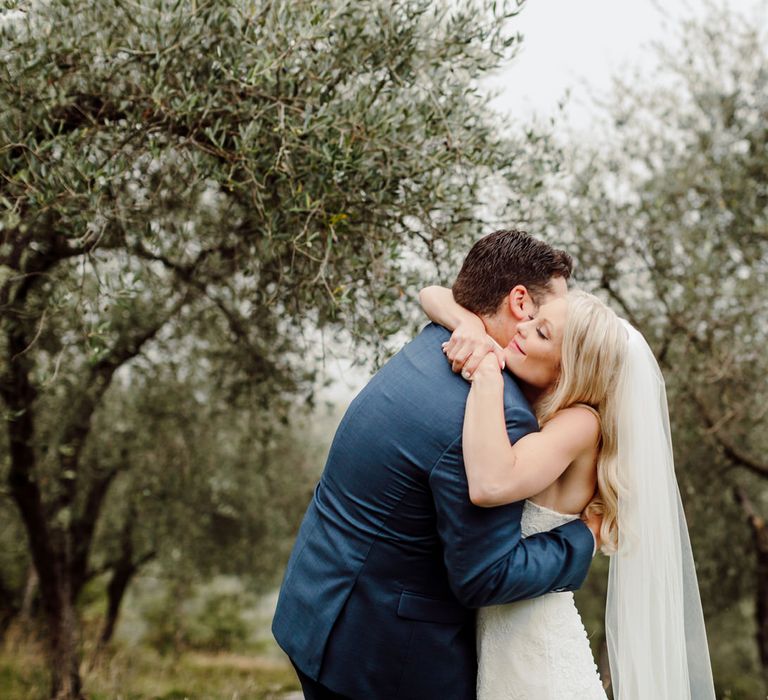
[141, 674]
[137, 672]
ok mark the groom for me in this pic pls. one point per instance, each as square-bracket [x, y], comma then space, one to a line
[392, 557]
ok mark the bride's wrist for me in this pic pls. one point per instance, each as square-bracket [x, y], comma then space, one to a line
[487, 379]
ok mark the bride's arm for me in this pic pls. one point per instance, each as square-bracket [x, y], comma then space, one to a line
[469, 342]
[499, 472]
[438, 303]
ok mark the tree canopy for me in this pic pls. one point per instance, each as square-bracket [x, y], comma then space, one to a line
[188, 191]
[668, 217]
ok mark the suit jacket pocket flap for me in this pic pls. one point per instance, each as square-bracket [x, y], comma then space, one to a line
[417, 606]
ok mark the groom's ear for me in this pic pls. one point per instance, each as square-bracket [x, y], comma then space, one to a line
[520, 304]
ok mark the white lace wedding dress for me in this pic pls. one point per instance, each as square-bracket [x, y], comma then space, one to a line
[536, 649]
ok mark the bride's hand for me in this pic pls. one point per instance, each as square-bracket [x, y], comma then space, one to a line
[469, 345]
[488, 372]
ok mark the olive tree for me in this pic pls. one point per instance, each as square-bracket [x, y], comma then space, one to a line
[668, 218]
[209, 180]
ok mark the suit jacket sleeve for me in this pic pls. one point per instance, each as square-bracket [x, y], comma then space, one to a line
[487, 560]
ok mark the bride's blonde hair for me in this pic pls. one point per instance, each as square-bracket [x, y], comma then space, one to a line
[593, 354]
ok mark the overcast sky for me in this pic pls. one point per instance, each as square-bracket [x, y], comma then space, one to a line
[580, 45]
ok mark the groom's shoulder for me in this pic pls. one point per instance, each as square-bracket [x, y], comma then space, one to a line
[419, 363]
[432, 336]
[514, 400]
[426, 344]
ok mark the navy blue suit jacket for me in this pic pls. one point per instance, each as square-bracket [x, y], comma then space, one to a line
[392, 557]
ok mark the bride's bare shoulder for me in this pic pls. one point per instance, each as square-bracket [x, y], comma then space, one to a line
[580, 421]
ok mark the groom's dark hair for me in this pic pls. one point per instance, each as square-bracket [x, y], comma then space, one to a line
[502, 260]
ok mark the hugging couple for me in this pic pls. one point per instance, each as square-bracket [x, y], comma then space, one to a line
[466, 491]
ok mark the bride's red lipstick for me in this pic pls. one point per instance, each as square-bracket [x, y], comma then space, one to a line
[519, 349]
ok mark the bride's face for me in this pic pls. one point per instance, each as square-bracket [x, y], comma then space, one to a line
[533, 355]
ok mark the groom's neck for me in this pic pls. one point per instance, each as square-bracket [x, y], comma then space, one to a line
[500, 328]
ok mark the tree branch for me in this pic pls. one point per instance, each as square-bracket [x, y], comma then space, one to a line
[605, 283]
[756, 522]
[732, 451]
[186, 273]
[32, 267]
[76, 428]
[82, 528]
[19, 395]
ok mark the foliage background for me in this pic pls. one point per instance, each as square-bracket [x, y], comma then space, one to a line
[203, 204]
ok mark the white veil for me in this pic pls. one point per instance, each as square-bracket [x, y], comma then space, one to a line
[657, 643]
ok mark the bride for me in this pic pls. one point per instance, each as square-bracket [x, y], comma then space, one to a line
[604, 448]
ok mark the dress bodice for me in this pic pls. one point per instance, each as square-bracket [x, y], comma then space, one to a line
[538, 518]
